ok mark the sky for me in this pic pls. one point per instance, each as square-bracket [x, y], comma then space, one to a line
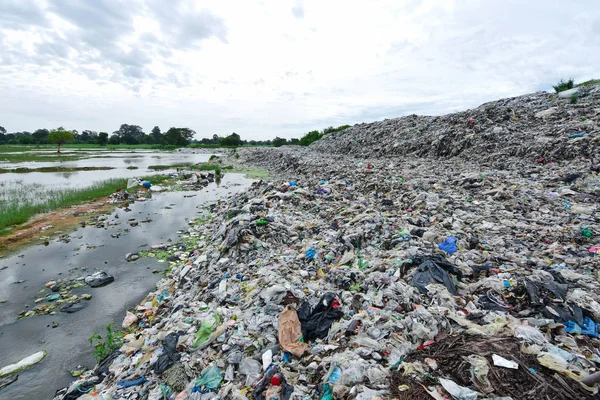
[279, 68]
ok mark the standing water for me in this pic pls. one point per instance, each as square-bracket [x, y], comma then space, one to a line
[87, 250]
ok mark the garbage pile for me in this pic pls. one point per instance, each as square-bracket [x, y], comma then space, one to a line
[372, 278]
[540, 126]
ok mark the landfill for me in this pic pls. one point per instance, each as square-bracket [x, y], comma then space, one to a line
[451, 257]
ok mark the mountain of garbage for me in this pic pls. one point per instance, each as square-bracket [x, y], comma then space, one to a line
[414, 258]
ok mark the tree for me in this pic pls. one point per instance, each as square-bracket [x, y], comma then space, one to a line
[156, 134]
[130, 134]
[179, 136]
[310, 137]
[102, 138]
[231, 140]
[41, 136]
[278, 142]
[88, 136]
[2, 130]
[60, 136]
[25, 138]
[114, 139]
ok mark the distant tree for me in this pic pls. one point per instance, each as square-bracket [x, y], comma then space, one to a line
[278, 142]
[130, 134]
[2, 130]
[179, 136]
[231, 140]
[310, 137]
[295, 141]
[60, 136]
[25, 138]
[41, 136]
[88, 136]
[156, 134]
[216, 138]
[102, 138]
[114, 139]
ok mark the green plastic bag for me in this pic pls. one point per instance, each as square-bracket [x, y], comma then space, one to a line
[203, 333]
[211, 378]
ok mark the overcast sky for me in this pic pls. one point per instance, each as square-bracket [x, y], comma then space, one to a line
[279, 68]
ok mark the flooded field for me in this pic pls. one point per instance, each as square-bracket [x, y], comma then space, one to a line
[122, 164]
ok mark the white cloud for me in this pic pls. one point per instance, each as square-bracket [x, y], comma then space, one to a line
[278, 68]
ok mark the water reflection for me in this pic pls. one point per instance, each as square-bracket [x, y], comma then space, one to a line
[120, 161]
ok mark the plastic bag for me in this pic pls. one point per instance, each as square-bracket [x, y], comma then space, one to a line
[457, 391]
[531, 334]
[479, 373]
[203, 333]
[252, 370]
[211, 378]
[290, 332]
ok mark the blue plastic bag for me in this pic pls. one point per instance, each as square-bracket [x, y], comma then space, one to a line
[449, 246]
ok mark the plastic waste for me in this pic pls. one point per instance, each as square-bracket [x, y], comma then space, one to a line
[23, 364]
[457, 391]
[480, 369]
[131, 382]
[589, 328]
[251, 369]
[530, 333]
[129, 320]
[169, 355]
[70, 308]
[449, 245]
[203, 334]
[434, 270]
[500, 361]
[98, 279]
[211, 378]
[316, 323]
[290, 332]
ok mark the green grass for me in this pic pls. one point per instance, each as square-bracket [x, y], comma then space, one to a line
[104, 346]
[19, 202]
[28, 156]
[590, 82]
[52, 169]
[163, 167]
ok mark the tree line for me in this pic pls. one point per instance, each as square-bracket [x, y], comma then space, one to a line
[126, 134]
[134, 134]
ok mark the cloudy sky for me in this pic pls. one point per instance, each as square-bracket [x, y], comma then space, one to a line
[276, 67]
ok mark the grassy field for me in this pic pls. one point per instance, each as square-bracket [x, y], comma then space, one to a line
[19, 202]
[14, 157]
[33, 147]
[52, 169]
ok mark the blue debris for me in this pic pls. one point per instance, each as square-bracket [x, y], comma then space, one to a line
[449, 246]
[589, 328]
[128, 383]
[310, 254]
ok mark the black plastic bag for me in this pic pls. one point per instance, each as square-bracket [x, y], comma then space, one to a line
[169, 356]
[434, 270]
[316, 324]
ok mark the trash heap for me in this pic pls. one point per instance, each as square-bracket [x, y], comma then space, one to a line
[375, 278]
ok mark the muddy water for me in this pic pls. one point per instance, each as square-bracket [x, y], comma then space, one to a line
[67, 345]
[122, 162]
